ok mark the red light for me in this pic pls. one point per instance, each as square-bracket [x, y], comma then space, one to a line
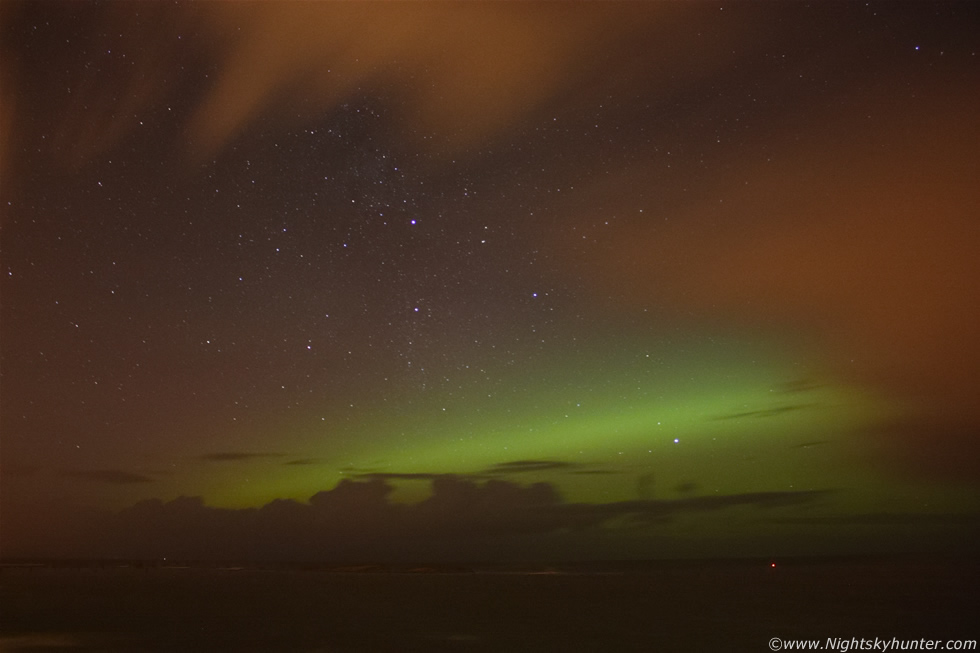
[772, 565]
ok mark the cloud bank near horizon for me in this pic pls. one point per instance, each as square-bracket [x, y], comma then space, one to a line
[461, 520]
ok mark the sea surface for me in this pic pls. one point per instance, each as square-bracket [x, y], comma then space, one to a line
[661, 606]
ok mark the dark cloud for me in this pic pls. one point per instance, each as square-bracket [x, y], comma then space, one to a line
[461, 507]
[357, 520]
[109, 476]
[808, 445]
[800, 385]
[757, 499]
[686, 487]
[233, 456]
[399, 476]
[887, 519]
[659, 510]
[644, 486]
[304, 461]
[511, 467]
[767, 412]
[516, 466]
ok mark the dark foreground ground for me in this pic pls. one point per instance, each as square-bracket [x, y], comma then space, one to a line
[735, 606]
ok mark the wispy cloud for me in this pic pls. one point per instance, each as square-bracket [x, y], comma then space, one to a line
[800, 385]
[766, 412]
[808, 445]
[510, 467]
[519, 466]
[401, 476]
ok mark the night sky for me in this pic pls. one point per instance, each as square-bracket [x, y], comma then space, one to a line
[559, 279]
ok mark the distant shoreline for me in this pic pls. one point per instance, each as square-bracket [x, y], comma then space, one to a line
[531, 567]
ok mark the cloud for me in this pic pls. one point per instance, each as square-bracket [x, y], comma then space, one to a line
[768, 412]
[304, 461]
[400, 476]
[234, 456]
[520, 466]
[888, 519]
[499, 469]
[659, 510]
[462, 520]
[808, 445]
[459, 506]
[108, 476]
[860, 237]
[461, 71]
[356, 520]
[686, 487]
[447, 76]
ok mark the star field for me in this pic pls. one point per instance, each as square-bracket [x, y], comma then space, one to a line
[631, 252]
